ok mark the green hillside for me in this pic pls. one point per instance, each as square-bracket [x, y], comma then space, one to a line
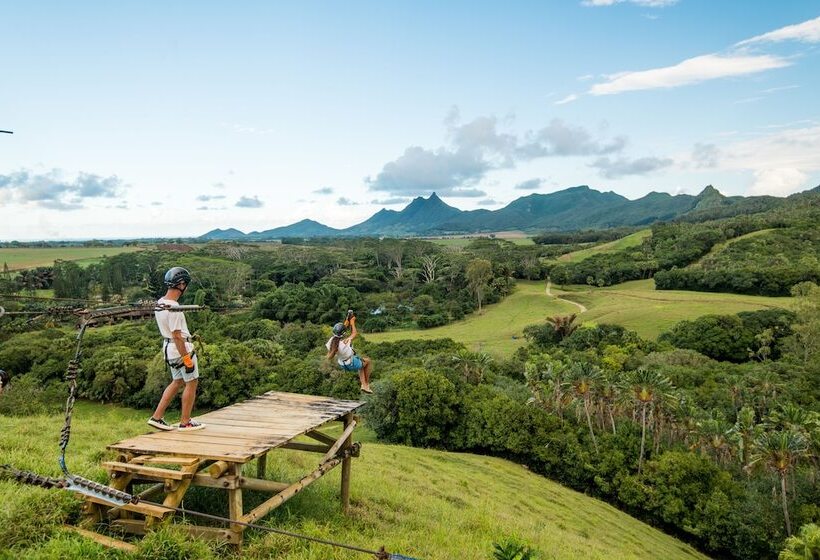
[626, 242]
[31, 257]
[428, 504]
[635, 305]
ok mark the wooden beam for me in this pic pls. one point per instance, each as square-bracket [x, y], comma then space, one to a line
[102, 539]
[265, 507]
[155, 489]
[137, 527]
[319, 436]
[218, 469]
[142, 508]
[163, 460]
[146, 472]
[235, 510]
[262, 485]
[223, 482]
[312, 447]
[350, 425]
[261, 466]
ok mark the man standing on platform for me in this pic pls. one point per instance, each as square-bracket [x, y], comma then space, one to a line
[179, 354]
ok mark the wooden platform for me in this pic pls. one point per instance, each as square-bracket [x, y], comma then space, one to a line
[246, 430]
[171, 462]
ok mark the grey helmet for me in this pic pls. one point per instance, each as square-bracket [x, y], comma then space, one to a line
[176, 276]
[338, 329]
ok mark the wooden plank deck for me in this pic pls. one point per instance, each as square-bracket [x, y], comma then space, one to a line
[244, 431]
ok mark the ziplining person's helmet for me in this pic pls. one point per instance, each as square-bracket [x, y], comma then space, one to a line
[176, 276]
[338, 329]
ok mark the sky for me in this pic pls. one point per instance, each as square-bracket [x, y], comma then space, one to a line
[150, 119]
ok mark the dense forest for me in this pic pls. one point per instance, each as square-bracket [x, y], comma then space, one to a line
[710, 433]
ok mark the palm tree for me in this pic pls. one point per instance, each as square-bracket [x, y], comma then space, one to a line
[803, 546]
[713, 438]
[647, 387]
[545, 380]
[584, 377]
[473, 364]
[563, 325]
[608, 395]
[780, 451]
[744, 431]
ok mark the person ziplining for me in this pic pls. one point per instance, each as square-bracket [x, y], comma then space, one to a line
[341, 348]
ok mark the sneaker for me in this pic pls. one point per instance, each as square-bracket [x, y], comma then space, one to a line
[367, 390]
[160, 424]
[190, 426]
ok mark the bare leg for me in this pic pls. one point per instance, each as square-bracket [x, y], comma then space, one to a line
[167, 396]
[188, 396]
[364, 373]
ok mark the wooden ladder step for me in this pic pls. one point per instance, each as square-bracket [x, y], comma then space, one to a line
[144, 509]
[164, 460]
[150, 472]
[102, 539]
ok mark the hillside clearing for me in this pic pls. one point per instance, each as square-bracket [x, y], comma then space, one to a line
[429, 504]
[634, 305]
[632, 240]
[638, 306]
[499, 328]
[721, 246]
[32, 257]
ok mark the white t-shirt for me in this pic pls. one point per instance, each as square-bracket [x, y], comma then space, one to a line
[168, 322]
[345, 351]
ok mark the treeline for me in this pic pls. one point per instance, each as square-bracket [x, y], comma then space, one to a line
[584, 236]
[677, 255]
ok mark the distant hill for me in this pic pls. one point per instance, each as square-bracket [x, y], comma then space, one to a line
[574, 208]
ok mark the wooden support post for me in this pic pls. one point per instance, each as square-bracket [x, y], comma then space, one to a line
[349, 423]
[235, 510]
[103, 540]
[261, 466]
[344, 439]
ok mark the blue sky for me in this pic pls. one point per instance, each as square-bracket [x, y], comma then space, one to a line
[147, 119]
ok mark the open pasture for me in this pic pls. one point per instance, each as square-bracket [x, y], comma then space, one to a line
[32, 257]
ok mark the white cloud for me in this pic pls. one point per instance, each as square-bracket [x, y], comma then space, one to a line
[778, 182]
[690, 71]
[247, 202]
[806, 32]
[568, 99]
[781, 161]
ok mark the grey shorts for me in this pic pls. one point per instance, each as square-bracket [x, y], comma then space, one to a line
[180, 373]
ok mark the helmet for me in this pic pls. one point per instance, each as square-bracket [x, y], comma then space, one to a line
[177, 275]
[338, 329]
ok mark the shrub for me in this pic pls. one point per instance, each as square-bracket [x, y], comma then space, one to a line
[430, 321]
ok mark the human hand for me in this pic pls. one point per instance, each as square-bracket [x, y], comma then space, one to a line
[188, 362]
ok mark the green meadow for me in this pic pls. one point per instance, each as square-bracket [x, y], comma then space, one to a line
[32, 257]
[428, 504]
[634, 305]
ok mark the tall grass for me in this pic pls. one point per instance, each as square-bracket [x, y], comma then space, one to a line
[424, 503]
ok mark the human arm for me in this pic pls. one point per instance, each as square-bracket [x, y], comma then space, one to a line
[179, 342]
[353, 331]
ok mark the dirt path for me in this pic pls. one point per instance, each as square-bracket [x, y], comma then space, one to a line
[581, 308]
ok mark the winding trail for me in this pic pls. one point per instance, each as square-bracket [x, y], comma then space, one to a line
[581, 308]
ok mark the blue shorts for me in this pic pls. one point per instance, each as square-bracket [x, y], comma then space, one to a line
[180, 373]
[355, 364]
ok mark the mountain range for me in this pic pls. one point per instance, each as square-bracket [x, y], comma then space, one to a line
[570, 209]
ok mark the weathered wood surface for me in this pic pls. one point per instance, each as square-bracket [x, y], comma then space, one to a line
[246, 430]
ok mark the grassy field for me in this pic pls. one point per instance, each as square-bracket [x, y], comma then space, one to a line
[498, 329]
[23, 258]
[632, 240]
[635, 305]
[638, 306]
[428, 504]
[519, 238]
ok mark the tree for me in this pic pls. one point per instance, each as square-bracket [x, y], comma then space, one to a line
[584, 377]
[563, 325]
[647, 388]
[803, 546]
[479, 273]
[744, 432]
[472, 364]
[780, 451]
[429, 264]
